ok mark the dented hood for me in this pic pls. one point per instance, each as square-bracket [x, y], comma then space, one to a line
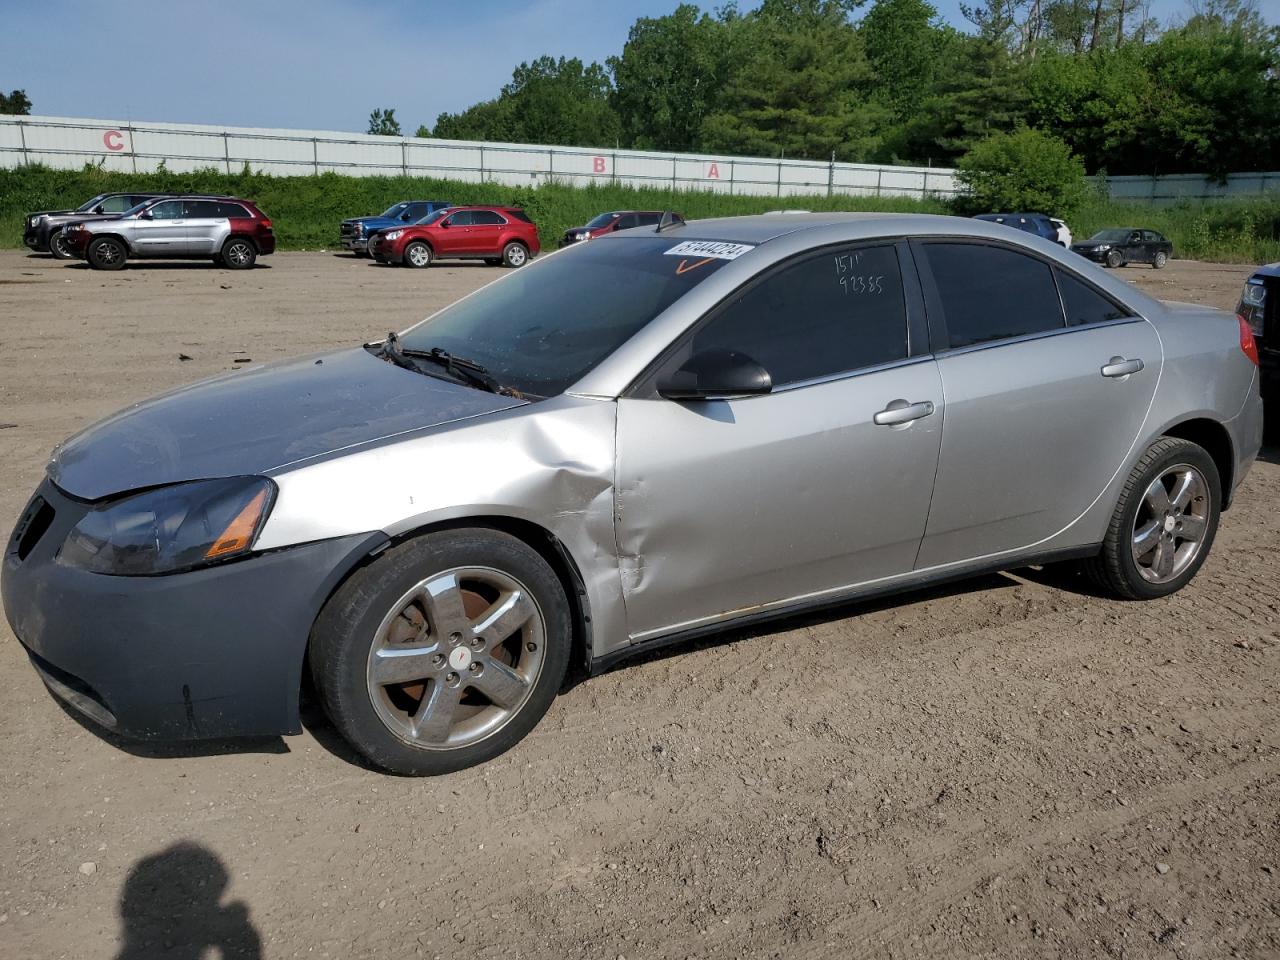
[255, 420]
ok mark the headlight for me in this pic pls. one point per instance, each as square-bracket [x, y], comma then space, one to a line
[1255, 293]
[393, 235]
[1102, 246]
[582, 236]
[359, 228]
[171, 528]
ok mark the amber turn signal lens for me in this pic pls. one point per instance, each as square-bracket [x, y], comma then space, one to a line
[240, 530]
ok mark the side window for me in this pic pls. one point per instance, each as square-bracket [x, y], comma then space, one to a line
[521, 216]
[461, 219]
[202, 209]
[991, 293]
[486, 218]
[839, 311]
[627, 221]
[168, 210]
[650, 219]
[234, 211]
[117, 204]
[1083, 304]
[1149, 236]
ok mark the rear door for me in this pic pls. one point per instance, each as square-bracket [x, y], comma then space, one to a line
[726, 505]
[161, 231]
[485, 232]
[1047, 383]
[206, 225]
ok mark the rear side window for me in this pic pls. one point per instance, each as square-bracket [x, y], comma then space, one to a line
[233, 211]
[839, 311]
[203, 210]
[485, 218]
[992, 293]
[1083, 304]
[650, 219]
[520, 215]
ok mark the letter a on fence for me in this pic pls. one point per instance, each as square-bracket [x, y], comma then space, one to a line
[714, 172]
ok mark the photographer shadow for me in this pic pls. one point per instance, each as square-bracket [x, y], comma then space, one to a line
[171, 905]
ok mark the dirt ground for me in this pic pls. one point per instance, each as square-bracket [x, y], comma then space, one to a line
[1009, 767]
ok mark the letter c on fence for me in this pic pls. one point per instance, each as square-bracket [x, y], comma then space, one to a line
[113, 139]
[597, 165]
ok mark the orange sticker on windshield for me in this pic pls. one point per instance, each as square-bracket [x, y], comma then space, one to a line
[682, 268]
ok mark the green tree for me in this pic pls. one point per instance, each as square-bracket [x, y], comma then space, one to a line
[1023, 170]
[16, 102]
[801, 87]
[384, 122]
[670, 76]
[422, 131]
[903, 41]
[547, 101]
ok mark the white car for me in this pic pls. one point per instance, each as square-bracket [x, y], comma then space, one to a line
[1064, 232]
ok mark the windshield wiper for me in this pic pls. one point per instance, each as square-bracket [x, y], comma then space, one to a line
[459, 368]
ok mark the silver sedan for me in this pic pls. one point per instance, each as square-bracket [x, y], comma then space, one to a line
[653, 436]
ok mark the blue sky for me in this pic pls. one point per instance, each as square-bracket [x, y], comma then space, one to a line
[318, 64]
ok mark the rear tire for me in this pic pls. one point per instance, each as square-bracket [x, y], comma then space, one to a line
[107, 253]
[1161, 259]
[417, 254]
[1168, 510]
[238, 254]
[515, 254]
[1115, 259]
[496, 612]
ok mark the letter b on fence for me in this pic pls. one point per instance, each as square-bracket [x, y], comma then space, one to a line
[598, 165]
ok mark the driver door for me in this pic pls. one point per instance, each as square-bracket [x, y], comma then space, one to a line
[160, 230]
[451, 238]
[725, 506]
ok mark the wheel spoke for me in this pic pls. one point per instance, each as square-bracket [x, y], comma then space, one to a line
[1162, 565]
[1146, 539]
[1185, 487]
[403, 664]
[504, 618]
[1156, 496]
[435, 714]
[1192, 527]
[502, 685]
[446, 612]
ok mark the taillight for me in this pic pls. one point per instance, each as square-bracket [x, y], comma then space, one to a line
[1247, 343]
[265, 223]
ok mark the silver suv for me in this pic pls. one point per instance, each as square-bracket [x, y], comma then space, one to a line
[229, 231]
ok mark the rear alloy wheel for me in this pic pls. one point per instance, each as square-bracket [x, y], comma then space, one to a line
[1161, 259]
[1115, 259]
[107, 253]
[515, 254]
[444, 652]
[58, 246]
[239, 254]
[1164, 522]
[417, 254]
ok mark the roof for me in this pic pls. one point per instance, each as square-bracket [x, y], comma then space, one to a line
[765, 227]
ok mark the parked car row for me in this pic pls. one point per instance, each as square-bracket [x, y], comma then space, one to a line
[1114, 247]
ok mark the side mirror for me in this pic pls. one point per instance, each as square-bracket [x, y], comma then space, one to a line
[145, 215]
[716, 375]
[404, 217]
[444, 222]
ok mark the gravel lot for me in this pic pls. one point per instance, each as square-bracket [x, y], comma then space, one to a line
[1008, 767]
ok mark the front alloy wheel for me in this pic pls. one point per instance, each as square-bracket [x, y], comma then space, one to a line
[444, 652]
[417, 254]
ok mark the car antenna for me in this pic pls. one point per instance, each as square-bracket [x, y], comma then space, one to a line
[669, 219]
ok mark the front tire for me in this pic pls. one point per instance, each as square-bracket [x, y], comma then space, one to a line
[107, 253]
[58, 247]
[444, 652]
[1163, 525]
[1115, 259]
[417, 254]
[515, 254]
[238, 254]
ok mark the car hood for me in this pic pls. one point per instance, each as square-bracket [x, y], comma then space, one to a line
[378, 222]
[259, 419]
[48, 213]
[1268, 270]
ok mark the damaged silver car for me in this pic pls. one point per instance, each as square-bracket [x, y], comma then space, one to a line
[634, 441]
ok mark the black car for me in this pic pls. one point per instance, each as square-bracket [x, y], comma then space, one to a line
[1259, 307]
[1120, 246]
[41, 230]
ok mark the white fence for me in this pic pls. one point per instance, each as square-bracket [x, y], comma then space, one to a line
[140, 147]
[1192, 186]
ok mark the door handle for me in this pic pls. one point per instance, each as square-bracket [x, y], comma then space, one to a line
[1120, 367]
[900, 412]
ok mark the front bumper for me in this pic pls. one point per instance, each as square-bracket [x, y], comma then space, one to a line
[354, 243]
[215, 652]
[76, 242]
[1097, 256]
[33, 240]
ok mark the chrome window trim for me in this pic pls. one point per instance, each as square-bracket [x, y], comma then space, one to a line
[1027, 337]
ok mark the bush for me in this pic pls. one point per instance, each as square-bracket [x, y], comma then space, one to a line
[1026, 172]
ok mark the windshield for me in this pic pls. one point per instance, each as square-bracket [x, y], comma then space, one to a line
[392, 212]
[1110, 236]
[540, 329]
[603, 220]
[89, 205]
[433, 217]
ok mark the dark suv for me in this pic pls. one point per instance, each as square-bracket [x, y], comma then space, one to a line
[1259, 307]
[41, 230]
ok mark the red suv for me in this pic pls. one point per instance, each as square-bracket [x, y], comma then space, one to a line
[495, 235]
[611, 221]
